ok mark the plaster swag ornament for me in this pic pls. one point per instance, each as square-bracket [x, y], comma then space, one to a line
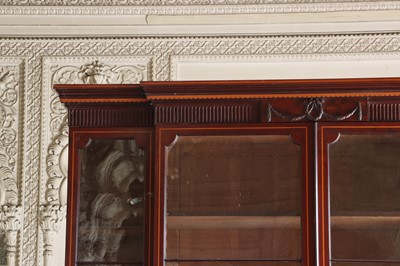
[10, 224]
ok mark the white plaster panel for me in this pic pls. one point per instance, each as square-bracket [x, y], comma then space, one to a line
[284, 67]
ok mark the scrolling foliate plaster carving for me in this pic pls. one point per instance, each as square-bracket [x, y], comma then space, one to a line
[9, 86]
[72, 71]
[99, 73]
[10, 212]
[90, 73]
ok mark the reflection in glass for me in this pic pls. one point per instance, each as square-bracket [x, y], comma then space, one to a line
[3, 252]
[233, 197]
[235, 263]
[365, 198]
[111, 217]
[365, 263]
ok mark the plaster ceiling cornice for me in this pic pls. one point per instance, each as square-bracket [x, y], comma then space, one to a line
[223, 17]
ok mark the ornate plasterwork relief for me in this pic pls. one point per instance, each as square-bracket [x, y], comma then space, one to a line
[42, 123]
[51, 217]
[191, 8]
[117, 70]
[10, 225]
[165, 2]
[138, 18]
[75, 71]
[9, 116]
[11, 83]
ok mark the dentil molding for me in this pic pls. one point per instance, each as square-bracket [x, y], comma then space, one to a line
[166, 2]
[198, 17]
[193, 8]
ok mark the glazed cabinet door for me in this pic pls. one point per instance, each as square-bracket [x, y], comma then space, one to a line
[359, 189]
[109, 204]
[235, 196]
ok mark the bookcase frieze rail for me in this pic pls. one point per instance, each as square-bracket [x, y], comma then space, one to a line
[190, 102]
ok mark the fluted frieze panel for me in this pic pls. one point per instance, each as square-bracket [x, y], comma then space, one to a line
[126, 117]
[381, 111]
[233, 113]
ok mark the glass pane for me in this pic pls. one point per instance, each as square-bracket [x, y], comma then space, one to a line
[109, 264]
[234, 197]
[366, 263]
[111, 211]
[236, 263]
[364, 197]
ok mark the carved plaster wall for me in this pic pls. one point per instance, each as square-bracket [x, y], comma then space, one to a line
[11, 92]
[33, 122]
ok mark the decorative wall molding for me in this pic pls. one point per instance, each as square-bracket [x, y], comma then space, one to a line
[167, 2]
[207, 7]
[314, 110]
[100, 73]
[42, 120]
[11, 86]
[57, 167]
[9, 115]
[51, 216]
[175, 17]
[10, 223]
[192, 114]
[285, 66]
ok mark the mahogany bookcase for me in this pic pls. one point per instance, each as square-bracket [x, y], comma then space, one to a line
[244, 173]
